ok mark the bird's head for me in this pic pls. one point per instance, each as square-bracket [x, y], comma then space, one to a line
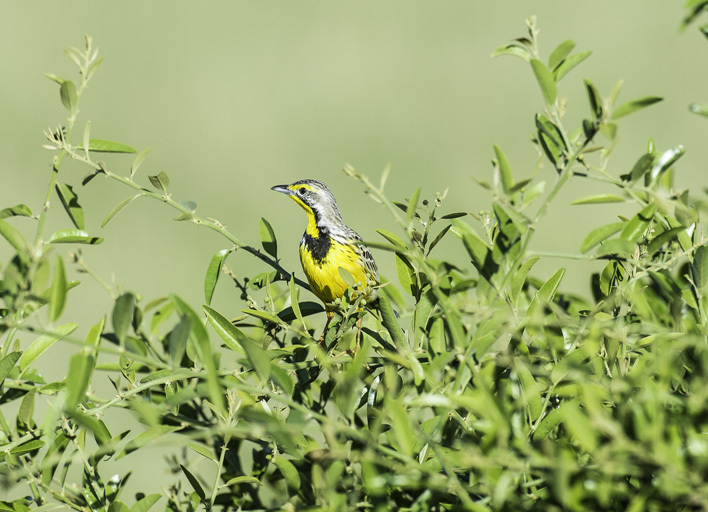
[316, 199]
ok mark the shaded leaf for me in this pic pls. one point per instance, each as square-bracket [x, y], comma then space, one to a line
[122, 316]
[146, 503]
[160, 181]
[213, 273]
[268, 240]
[412, 204]
[569, 63]
[505, 177]
[77, 379]
[596, 102]
[406, 274]
[439, 237]
[194, 483]
[635, 229]
[699, 267]
[70, 201]
[15, 239]
[551, 140]
[289, 472]
[616, 246]
[7, 363]
[20, 210]
[238, 341]
[519, 279]
[177, 340]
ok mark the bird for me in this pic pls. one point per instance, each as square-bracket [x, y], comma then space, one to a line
[328, 245]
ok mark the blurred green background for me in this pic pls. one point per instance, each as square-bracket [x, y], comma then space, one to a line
[235, 97]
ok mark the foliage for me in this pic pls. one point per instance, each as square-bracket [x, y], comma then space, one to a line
[490, 389]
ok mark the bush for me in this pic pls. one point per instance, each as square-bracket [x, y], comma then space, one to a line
[489, 389]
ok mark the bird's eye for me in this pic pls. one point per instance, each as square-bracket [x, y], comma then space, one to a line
[302, 191]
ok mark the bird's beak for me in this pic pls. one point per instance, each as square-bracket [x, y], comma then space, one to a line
[282, 188]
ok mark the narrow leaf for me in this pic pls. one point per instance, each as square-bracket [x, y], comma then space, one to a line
[194, 483]
[634, 105]
[21, 210]
[699, 267]
[569, 64]
[234, 338]
[406, 274]
[70, 201]
[268, 240]
[600, 234]
[600, 199]
[125, 202]
[596, 103]
[67, 93]
[213, 273]
[289, 472]
[15, 239]
[43, 342]
[57, 297]
[549, 288]
[77, 379]
[517, 283]
[7, 363]
[74, 236]
[412, 205]
[635, 229]
[177, 340]
[545, 80]
[512, 49]
[138, 161]
[615, 246]
[146, 503]
[507, 181]
[122, 315]
[439, 237]
[108, 146]
[560, 53]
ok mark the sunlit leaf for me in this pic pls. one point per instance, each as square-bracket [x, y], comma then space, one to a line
[560, 53]
[108, 146]
[545, 80]
[43, 342]
[634, 105]
[125, 202]
[600, 199]
[506, 179]
[600, 234]
[71, 204]
[67, 93]
[213, 273]
[57, 297]
[74, 236]
[568, 64]
[21, 210]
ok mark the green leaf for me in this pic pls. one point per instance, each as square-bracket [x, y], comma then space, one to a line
[200, 339]
[268, 240]
[552, 420]
[125, 202]
[517, 283]
[643, 165]
[347, 277]
[194, 483]
[439, 237]
[242, 480]
[545, 80]
[74, 236]
[147, 436]
[560, 53]
[596, 102]
[122, 315]
[70, 201]
[391, 238]
[54, 78]
[600, 199]
[294, 303]
[67, 93]
[108, 146]
[138, 161]
[237, 341]
[551, 140]
[145, 503]
[406, 274]
[634, 105]
[701, 110]
[28, 447]
[93, 338]
[16, 240]
[530, 388]
[635, 229]
[549, 288]
[160, 181]
[213, 273]
[177, 340]
[600, 234]
[568, 64]
[289, 472]
[77, 379]
[412, 205]
[7, 363]
[43, 342]
[616, 246]
[667, 159]
[505, 177]
[189, 205]
[699, 267]
[401, 425]
[476, 247]
[20, 210]
[512, 49]
[203, 451]
[57, 296]
[664, 238]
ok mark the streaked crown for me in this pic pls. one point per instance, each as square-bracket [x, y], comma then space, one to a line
[315, 196]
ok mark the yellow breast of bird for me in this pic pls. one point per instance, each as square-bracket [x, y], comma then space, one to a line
[323, 274]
